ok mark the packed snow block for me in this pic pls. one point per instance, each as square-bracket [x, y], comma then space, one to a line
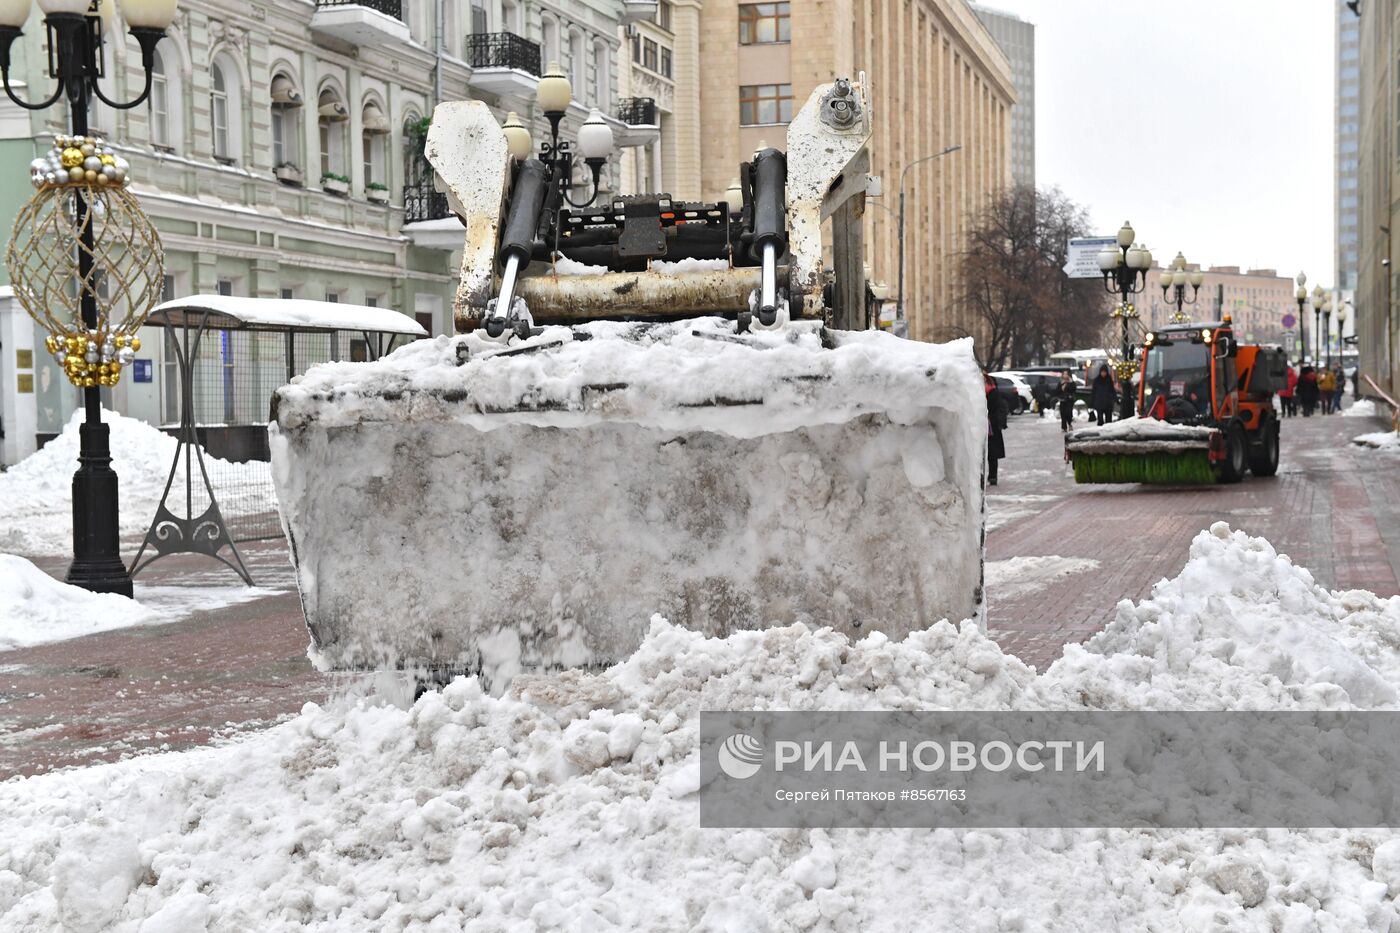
[461, 505]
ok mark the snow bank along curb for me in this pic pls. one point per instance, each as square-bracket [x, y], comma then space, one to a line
[36, 609]
[36, 494]
[570, 803]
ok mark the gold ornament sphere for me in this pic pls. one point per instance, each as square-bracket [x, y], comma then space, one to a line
[72, 157]
[135, 343]
[109, 160]
[90, 175]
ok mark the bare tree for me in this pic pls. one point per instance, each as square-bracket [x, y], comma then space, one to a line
[1017, 302]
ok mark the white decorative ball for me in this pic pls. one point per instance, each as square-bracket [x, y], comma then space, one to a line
[125, 355]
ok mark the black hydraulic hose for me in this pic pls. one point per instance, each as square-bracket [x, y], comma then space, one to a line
[526, 208]
[769, 197]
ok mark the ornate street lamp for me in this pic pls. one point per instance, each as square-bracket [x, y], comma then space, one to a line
[555, 168]
[75, 31]
[1177, 276]
[1341, 329]
[1327, 330]
[1302, 296]
[1125, 275]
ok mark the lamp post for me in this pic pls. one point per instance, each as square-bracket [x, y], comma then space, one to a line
[1317, 318]
[929, 158]
[1341, 330]
[555, 167]
[1178, 277]
[1327, 330]
[1302, 295]
[1124, 275]
[75, 38]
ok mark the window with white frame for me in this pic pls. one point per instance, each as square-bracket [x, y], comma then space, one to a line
[600, 74]
[331, 120]
[219, 111]
[375, 129]
[479, 18]
[549, 30]
[577, 63]
[158, 104]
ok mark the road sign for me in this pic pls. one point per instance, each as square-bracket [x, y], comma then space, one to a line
[1084, 256]
[1290, 341]
[1289, 320]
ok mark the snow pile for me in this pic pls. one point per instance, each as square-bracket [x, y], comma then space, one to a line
[36, 609]
[563, 265]
[1388, 441]
[684, 266]
[570, 804]
[1361, 408]
[36, 494]
[1137, 435]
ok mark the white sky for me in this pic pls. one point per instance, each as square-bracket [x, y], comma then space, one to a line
[1207, 123]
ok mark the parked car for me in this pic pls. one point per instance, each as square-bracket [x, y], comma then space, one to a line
[1037, 377]
[1015, 391]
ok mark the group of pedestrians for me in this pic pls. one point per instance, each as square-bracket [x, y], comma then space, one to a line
[1061, 396]
[1311, 390]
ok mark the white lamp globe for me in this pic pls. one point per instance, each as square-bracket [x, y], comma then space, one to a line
[148, 14]
[1125, 235]
[518, 139]
[595, 137]
[1108, 259]
[64, 6]
[14, 13]
[554, 92]
[1197, 277]
[1302, 280]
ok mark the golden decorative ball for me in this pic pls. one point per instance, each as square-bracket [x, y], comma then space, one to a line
[90, 175]
[72, 157]
[135, 343]
[109, 160]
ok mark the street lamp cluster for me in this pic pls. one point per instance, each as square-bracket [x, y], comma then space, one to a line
[1125, 275]
[1323, 306]
[75, 31]
[1178, 277]
[544, 182]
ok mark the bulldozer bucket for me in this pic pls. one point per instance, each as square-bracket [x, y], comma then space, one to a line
[1142, 450]
[459, 506]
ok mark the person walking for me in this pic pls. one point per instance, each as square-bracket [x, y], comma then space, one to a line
[1066, 395]
[1287, 396]
[1102, 397]
[1307, 390]
[1040, 392]
[1339, 388]
[996, 423]
[1326, 385]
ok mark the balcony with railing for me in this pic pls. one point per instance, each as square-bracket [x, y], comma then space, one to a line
[421, 202]
[503, 63]
[637, 111]
[361, 22]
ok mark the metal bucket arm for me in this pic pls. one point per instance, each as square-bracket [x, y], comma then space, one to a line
[826, 167]
[468, 151]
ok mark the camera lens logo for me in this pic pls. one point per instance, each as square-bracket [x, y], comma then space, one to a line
[741, 756]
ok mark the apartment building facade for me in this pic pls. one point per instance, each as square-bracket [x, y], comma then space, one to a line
[280, 151]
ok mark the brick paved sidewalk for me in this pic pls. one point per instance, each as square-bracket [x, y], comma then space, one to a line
[1333, 508]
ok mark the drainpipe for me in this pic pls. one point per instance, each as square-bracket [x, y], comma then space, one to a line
[439, 29]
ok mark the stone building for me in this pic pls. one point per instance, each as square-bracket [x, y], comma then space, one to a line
[280, 151]
[936, 79]
[1016, 38]
[1257, 300]
[1377, 325]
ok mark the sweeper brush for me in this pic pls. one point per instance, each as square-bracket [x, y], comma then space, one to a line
[1173, 469]
[726, 449]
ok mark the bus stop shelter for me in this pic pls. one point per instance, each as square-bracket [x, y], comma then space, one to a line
[230, 354]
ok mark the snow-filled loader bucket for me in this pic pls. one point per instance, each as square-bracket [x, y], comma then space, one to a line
[529, 493]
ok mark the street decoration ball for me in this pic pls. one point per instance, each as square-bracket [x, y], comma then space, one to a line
[111, 250]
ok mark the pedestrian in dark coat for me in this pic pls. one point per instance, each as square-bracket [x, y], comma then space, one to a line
[1307, 390]
[1102, 397]
[1067, 394]
[996, 423]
